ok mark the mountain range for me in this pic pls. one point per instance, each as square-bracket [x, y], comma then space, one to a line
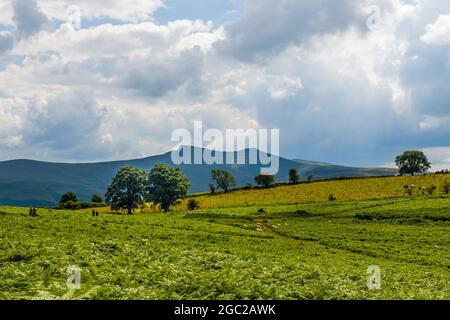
[37, 183]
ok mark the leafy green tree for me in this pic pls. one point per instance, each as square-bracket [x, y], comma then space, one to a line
[224, 179]
[411, 162]
[265, 180]
[167, 186]
[294, 178]
[68, 197]
[96, 198]
[310, 177]
[127, 189]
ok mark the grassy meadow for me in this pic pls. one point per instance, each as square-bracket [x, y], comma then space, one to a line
[281, 243]
[351, 189]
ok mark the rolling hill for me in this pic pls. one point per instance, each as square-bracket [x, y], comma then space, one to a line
[36, 183]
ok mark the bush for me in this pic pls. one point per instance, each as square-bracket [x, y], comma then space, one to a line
[193, 204]
[446, 187]
[331, 197]
[68, 197]
[409, 189]
[265, 180]
[96, 199]
[248, 186]
[431, 189]
[71, 205]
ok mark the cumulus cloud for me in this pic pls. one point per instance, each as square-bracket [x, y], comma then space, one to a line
[28, 17]
[6, 41]
[439, 32]
[66, 123]
[266, 28]
[338, 90]
[120, 10]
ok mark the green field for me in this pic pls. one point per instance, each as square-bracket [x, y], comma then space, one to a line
[307, 250]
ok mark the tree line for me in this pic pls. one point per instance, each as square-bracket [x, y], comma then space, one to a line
[166, 186]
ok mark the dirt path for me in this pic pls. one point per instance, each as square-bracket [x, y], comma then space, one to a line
[263, 227]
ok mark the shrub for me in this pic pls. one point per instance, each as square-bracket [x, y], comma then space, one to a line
[409, 189]
[193, 204]
[265, 180]
[248, 186]
[70, 205]
[68, 197]
[431, 189]
[446, 187]
[331, 197]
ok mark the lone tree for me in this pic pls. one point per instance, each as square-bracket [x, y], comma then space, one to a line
[166, 186]
[68, 197]
[294, 178]
[224, 179]
[412, 162]
[265, 180]
[127, 189]
[96, 199]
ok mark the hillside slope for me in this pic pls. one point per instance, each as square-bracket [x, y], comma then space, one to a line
[27, 182]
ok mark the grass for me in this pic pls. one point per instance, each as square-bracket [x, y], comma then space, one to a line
[352, 189]
[273, 248]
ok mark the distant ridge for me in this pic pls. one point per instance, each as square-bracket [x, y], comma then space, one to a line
[38, 183]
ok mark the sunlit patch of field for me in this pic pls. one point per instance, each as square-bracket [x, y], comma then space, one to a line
[354, 189]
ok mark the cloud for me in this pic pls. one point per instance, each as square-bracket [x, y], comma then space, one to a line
[157, 76]
[266, 29]
[338, 91]
[28, 18]
[119, 10]
[284, 87]
[66, 123]
[122, 10]
[6, 41]
[439, 32]
[439, 157]
[434, 123]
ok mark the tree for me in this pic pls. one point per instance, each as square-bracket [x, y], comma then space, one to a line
[412, 162]
[127, 189]
[68, 197]
[265, 180]
[212, 189]
[167, 186]
[224, 179]
[96, 198]
[294, 178]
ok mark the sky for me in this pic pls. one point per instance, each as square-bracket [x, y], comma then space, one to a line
[353, 82]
